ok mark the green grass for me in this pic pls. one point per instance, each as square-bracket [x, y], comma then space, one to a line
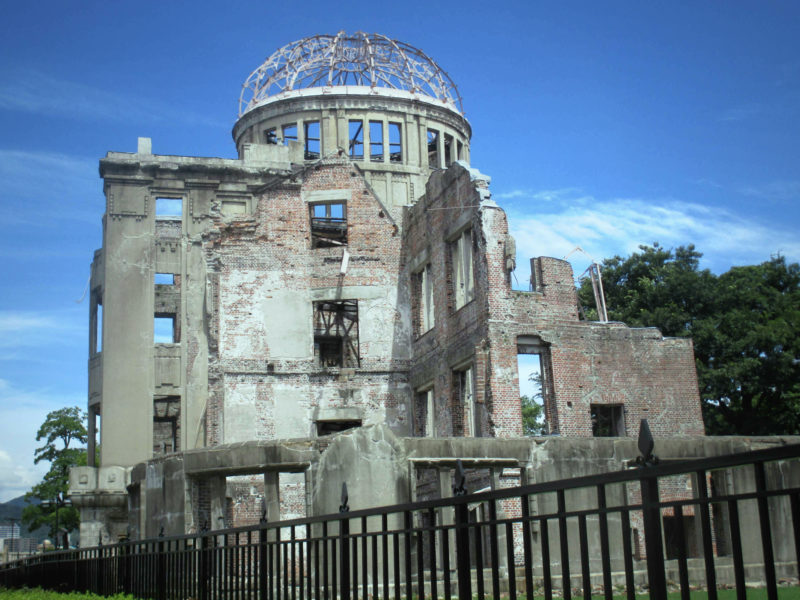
[40, 594]
[784, 593]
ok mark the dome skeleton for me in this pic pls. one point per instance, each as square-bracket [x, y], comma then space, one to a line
[361, 59]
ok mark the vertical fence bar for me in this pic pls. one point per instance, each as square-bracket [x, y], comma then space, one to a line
[444, 540]
[795, 504]
[653, 541]
[547, 576]
[408, 525]
[527, 549]
[478, 539]
[494, 548]
[586, 581]
[325, 565]
[705, 528]
[432, 550]
[462, 551]
[385, 554]
[605, 549]
[766, 531]
[736, 549]
[262, 560]
[420, 562]
[683, 572]
[344, 550]
[564, 543]
[627, 554]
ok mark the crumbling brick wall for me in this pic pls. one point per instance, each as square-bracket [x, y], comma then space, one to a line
[588, 363]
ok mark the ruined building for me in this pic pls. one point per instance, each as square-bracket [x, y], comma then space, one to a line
[334, 304]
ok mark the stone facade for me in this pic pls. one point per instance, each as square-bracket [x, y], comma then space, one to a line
[348, 270]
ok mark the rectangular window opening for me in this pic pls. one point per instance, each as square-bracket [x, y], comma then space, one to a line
[448, 150]
[463, 409]
[330, 427]
[166, 424]
[312, 140]
[433, 149]
[336, 333]
[395, 143]
[423, 300]
[165, 328]
[164, 279]
[96, 324]
[459, 151]
[328, 224]
[425, 412]
[271, 136]
[535, 386]
[169, 209]
[289, 133]
[376, 141]
[356, 146]
[608, 420]
[462, 275]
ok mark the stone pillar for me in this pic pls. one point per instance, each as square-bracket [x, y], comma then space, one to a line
[447, 516]
[502, 549]
[217, 490]
[272, 496]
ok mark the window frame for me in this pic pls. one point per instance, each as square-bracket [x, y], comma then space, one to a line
[462, 272]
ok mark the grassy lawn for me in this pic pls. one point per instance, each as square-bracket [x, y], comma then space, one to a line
[40, 594]
[784, 593]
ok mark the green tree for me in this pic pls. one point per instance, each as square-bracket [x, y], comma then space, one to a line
[533, 410]
[744, 323]
[61, 429]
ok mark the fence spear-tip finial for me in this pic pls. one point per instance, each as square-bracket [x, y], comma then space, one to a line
[646, 445]
[343, 508]
[459, 489]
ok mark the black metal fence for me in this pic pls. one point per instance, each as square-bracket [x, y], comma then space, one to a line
[731, 521]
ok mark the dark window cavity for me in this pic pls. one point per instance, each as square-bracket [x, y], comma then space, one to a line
[608, 420]
[336, 333]
[328, 224]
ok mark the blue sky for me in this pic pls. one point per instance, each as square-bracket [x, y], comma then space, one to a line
[603, 125]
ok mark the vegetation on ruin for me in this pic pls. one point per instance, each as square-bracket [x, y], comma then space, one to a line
[61, 430]
[745, 324]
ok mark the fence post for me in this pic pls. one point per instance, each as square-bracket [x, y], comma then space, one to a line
[161, 569]
[344, 547]
[203, 575]
[651, 515]
[262, 554]
[462, 535]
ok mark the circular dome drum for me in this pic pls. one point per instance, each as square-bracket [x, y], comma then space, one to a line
[361, 59]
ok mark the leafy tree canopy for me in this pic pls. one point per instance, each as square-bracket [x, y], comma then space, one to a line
[533, 422]
[60, 429]
[745, 324]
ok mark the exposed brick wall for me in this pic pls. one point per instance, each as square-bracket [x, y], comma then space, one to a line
[590, 363]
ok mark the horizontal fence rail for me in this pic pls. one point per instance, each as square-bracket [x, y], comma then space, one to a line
[731, 521]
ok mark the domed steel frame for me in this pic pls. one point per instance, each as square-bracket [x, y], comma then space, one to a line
[360, 59]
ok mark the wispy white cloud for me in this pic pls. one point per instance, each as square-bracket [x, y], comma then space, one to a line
[537, 195]
[43, 187]
[604, 228]
[774, 190]
[36, 92]
[28, 329]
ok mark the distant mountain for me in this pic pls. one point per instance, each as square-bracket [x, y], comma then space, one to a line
[12, 510]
